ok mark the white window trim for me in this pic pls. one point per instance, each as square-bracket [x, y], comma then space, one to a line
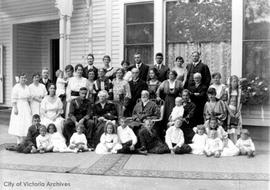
[237, 38]
[122, 22]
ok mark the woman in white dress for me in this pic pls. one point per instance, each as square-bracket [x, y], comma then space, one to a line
[180, 69]
[38, 92]
[51, 109]
[21, 118]
[110, 71]
[74, 85]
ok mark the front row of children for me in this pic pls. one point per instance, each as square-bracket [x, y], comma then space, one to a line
[211, 141]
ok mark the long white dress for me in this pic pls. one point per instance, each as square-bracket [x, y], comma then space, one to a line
[50, 109]
[20, 123]
[38, 91]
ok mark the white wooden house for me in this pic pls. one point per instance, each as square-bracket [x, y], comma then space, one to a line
[36, 34]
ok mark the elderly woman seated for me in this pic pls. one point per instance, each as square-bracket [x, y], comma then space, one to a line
[104, 111]
[144, 109]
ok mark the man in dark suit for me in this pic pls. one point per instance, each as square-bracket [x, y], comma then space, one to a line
[143, 68]
[81, 111]
[163, 70]
[137, 85]
[45, 78]
[90, 61]
[197, 67]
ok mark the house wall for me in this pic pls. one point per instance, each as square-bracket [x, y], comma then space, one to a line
[27, 49]
[14, 12]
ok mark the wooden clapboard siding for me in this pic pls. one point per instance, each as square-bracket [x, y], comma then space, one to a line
[79, 33]
[27, 49]
[216, 55]
[116, 28]
[98, 30]
[13, 12]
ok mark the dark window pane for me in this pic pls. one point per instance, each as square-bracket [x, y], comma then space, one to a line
[142, 33]
[256, 59]
[145, 51]
[139, 13]
[198, 22]
[257, 19]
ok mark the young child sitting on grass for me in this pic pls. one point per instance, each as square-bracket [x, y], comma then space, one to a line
[213, 124]
[229, 149]
[127, 137]
[150, 143]
[199, 140]
[175, 139]
[245, 144]
[109, 142]
[57, 141]
[43, 141]
[213, 146]
[78, 141]
[29, 143]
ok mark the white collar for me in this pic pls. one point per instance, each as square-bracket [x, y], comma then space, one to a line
[196, 63]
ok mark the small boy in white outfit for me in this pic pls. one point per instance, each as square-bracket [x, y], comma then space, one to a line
[175, 139]
[245, 144]
[177, 112]
[127, 137]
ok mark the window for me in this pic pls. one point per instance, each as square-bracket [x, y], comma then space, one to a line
[256, 38]
[203, 26]
[139, 31]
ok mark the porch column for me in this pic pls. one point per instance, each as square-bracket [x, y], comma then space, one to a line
[158, 27]
[62, 29]
[237, 38]
[68, 31]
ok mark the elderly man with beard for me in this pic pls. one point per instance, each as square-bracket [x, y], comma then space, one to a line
[144, 109]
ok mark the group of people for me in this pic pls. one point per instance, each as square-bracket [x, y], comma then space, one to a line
[157, 110]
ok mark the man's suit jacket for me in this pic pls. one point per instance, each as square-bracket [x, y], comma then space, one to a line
[85, 72]
[162, 72]
[143, 71]
[46, 84]
[199, 68]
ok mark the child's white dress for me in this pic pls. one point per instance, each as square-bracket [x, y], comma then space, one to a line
[43, 141]
[78, 139]
[229, 149]
[58, 143]
[247, 145]
[213, 145]
[109, 143]
[178, 111]
[199, 142]
[60, 86]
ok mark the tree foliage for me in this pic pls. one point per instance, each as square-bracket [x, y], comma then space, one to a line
[199, 22]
